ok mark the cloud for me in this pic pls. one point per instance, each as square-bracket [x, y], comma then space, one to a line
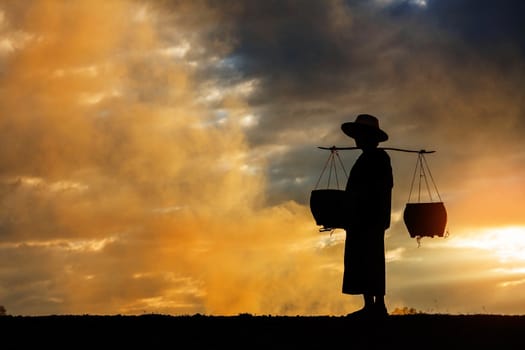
[121, 190]
[167, 167]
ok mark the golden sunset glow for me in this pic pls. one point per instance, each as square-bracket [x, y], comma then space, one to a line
[158, 156]
[507, 243]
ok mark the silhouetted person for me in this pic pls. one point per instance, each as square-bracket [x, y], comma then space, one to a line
[369, 190]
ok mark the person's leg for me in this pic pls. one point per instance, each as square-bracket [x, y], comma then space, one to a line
[368, 300]
[368, 308]
[379, 306]
[379, 300]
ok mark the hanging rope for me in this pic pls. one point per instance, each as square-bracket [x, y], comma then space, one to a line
[431, 177]
[341, 164]
[323, 170]
[331, 165]
[422, 166]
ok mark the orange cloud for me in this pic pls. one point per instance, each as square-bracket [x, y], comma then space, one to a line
[120, 191]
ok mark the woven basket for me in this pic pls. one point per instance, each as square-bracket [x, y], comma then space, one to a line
[425, 219]
[328, 207]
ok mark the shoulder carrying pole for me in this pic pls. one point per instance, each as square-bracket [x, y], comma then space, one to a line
[334, 148]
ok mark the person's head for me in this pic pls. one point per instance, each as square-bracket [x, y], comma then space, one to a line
[365, 131]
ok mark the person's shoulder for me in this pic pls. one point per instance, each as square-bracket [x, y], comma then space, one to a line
[382, 156]
[380, 152]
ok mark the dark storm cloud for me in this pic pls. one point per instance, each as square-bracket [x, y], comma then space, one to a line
[482, 24]
[313, 49]
[305, 49]
[433, 72]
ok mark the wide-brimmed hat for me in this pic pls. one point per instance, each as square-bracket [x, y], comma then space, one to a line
[365, 125]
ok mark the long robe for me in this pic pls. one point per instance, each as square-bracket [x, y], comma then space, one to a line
[369, 195]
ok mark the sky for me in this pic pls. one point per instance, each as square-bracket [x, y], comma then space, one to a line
[158, 156]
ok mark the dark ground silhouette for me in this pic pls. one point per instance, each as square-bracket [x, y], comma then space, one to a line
[151, 331]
